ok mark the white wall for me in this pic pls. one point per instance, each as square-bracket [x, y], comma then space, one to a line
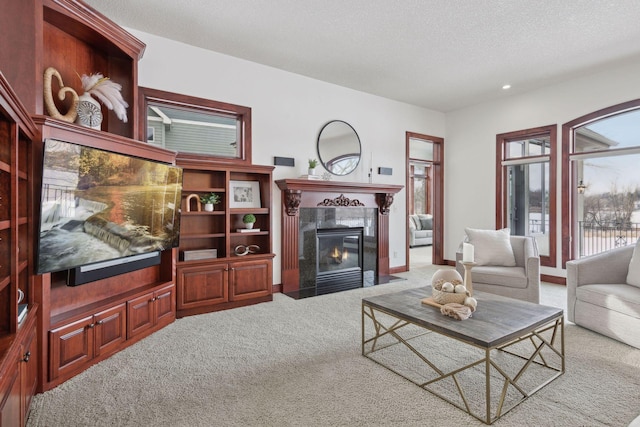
[470, 143]
[288, 111]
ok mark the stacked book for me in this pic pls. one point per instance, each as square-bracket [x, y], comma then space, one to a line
[247, 230]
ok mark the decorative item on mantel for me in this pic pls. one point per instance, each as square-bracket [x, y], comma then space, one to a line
[50, 105]
[313, 163]
[450, 295]
[108, 92]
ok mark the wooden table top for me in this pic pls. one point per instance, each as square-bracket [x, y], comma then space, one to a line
[496, 321]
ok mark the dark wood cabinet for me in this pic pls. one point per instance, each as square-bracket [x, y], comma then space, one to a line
[18, 342]
[82, 325]
[10, 405]
[19, 380]
[202, 286]
[240, 271]
[222, 285]
[110, 330]
[78, 326]
[29, 369]
[150, 311]
[250, 279]
[76, 344]
[70, 347]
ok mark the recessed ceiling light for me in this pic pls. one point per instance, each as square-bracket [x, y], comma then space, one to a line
[505, 87]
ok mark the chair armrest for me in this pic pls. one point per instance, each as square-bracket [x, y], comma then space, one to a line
[531, 258]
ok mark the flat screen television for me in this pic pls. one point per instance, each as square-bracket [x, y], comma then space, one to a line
[100, 208]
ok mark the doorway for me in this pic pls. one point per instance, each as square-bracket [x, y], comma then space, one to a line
[424, 184]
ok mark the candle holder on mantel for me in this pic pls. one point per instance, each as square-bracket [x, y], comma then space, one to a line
[468, 283]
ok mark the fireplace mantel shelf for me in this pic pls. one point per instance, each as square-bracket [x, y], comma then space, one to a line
[336, 186]
[293, 190]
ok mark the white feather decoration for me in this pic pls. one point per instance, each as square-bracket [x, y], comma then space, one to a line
[107, 92]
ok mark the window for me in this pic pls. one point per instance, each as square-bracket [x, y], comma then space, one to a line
[420, 164]
[419, 188]
[197, 126]
[601, 206]
[525, 187]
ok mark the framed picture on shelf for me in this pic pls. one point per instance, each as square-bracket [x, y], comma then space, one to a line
[244, 194]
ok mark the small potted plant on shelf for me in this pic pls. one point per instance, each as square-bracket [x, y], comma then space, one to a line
[249, 220]
[312, 166]
[209, 200]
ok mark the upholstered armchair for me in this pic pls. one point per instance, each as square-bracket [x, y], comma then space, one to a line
[603, 293]
[511, 269]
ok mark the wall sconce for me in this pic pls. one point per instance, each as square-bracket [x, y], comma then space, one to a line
[581, 187]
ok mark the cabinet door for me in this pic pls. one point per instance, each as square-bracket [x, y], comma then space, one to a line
[29, 362]
[10, 409]
[249, 279]
[140, 314]
[202, 286]
[71, 346]
[110, 330]
[165, 306]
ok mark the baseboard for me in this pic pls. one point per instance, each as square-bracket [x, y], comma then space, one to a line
[553, 279]
[396, 270]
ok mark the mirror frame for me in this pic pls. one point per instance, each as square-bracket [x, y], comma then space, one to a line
[243, 114]
[324, 163]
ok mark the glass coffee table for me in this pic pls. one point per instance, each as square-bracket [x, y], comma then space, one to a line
[485, 365]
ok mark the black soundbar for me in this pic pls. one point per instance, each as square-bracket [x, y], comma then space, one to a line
[102, 270]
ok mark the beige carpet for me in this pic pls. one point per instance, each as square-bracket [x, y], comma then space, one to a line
[298, 363]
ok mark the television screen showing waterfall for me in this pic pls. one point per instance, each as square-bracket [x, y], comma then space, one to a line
[98, 206]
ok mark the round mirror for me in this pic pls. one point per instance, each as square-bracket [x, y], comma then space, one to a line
[339, 147]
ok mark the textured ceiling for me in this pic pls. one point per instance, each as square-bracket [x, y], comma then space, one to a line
[439, 54]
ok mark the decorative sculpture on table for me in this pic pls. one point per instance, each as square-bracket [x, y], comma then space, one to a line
[451, 295]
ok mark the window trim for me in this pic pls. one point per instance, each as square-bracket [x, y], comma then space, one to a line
[501, 179]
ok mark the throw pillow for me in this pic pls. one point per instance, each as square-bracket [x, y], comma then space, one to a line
[492, 247]
[633, 276]
[426, 221]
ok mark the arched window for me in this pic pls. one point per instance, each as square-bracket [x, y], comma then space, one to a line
[601, 181]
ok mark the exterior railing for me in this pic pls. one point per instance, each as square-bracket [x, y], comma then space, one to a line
[537, 226]
[595, 238]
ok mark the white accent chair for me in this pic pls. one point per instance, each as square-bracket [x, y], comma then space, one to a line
[599, 296]
[521, 281]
